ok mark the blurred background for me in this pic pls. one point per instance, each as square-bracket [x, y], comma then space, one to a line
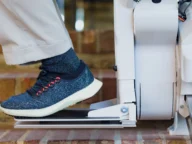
[82, 15]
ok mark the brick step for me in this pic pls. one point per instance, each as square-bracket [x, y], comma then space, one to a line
[16, 81]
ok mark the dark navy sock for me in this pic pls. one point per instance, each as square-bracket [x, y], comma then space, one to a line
[67, 63]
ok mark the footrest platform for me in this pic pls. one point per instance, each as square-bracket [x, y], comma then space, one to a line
[71, 118]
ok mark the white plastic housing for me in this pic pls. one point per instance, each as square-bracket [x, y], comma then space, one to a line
[124, 49]
[185, 46]
[186, 51]
[156, 27]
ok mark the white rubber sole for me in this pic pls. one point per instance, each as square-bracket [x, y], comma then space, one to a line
[79, 96]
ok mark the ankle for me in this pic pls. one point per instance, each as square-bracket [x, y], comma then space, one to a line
[64, 63]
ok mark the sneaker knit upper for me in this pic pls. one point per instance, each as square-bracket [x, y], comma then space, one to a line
[47, 93]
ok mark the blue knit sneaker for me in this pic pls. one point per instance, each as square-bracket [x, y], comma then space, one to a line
[53, 92]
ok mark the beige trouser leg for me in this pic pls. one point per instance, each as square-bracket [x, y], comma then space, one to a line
[31, 30]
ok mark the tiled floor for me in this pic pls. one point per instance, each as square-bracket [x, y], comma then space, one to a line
[125, 136]
[147, 132]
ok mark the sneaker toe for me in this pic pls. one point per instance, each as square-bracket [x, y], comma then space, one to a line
[10, 104]
[17, 102]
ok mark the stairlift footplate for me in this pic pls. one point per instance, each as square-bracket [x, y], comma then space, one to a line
[72, 119]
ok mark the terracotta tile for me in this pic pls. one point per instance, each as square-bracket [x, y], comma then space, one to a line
[105, 142]
[129, 134]
[128, 142]
[7, 88]
[150, 135]
[58, 135]
[81, 134]
[35, 136]
[153, 141]
[32, 142]
[47, 136]
[88, 44]
[107, 135]
[2, 132]
[13, 136]
[109, 90]
[58, 142]
[23, 137]
[106, 39]
[80, 142]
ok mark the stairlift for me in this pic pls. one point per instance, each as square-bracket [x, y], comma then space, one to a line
[153, 52]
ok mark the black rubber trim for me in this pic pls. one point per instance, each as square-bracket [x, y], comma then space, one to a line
[156, 1]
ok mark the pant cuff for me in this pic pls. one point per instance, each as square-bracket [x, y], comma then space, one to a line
[32, 53]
